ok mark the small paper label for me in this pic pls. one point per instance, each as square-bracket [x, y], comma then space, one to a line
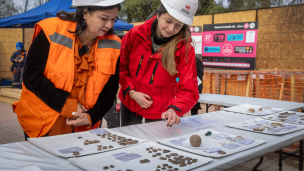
[212, 150]
[70, 150]
[98, 131]
[262, 122]
[119, 154]
[231, 146]
[246, 141]
[178, 142]
[128, 157]
[220, 136]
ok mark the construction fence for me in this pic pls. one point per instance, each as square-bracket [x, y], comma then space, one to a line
[267, 84]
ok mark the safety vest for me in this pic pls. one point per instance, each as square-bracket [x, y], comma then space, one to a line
[35, 117]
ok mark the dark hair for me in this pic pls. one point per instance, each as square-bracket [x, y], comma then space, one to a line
[168, 51]
[78, 17]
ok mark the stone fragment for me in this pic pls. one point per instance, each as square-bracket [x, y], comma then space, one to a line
[76, 153]
[251, 110]
[134, 141]
[182, 165]
[258, 129]
[221, 152]
[195, 140]
[175, 162]
[145, 161]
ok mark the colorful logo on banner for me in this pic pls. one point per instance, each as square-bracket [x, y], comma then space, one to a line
[246, 26]
[207, 38]
[227, 49]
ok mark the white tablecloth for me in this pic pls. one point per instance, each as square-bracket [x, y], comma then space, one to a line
[227, 100]
[22, 154]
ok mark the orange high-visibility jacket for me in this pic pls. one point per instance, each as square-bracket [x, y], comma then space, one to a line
[37, 118]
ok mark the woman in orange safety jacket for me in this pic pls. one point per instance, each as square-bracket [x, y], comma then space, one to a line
[71, 73]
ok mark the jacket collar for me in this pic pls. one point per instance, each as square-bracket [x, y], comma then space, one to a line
[145, 30]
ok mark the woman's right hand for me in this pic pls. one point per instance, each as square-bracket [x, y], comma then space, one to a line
[142, 99]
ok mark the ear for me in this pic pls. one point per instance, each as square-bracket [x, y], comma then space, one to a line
[85, 13]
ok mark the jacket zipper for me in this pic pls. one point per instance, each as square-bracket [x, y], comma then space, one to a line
[153, 74]
[139, 65]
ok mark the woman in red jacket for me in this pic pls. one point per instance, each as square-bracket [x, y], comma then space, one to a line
[152, 56]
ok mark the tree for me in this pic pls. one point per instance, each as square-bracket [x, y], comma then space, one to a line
[210, 7]
[7, 8]
[236, 5]
[137, 10]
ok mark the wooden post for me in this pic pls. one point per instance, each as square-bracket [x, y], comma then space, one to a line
[258, 85]
[282, 88]
[218, 87]
[293, 97]
[248, 85]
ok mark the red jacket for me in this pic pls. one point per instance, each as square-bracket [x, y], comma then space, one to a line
[142, 71]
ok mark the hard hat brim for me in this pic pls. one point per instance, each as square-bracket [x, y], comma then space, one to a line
[180, 17]
[102, 4]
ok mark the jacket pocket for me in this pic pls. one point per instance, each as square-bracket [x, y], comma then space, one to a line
[57, 76]
[139, 65]
[153, 74]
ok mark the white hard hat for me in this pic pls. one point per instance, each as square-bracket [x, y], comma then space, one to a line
[182, 10]
[103, 3]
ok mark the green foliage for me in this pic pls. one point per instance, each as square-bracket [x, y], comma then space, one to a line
[236, 5]
[137, 10]
[210, 7]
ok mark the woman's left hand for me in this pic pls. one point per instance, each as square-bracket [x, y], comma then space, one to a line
[172, 117]
[80, 119]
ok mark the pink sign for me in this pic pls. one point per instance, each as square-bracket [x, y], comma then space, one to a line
[231, 45]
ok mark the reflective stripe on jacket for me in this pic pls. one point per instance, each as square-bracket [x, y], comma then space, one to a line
[143, 71]
[36, 117]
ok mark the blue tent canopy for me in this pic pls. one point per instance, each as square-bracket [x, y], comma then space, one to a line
[29, 18]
